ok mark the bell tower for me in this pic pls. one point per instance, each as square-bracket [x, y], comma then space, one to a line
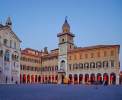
[66, 43]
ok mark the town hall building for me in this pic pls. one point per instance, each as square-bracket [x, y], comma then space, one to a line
[71, 64]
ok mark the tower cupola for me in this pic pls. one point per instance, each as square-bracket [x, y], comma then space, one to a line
[9, 22]
[66, 26]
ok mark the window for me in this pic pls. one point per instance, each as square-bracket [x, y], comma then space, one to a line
[56, 67]
[6, 57]
[105, 63]
[92, 65]
[86, 65]
[112, 63]
[5, 42]
[75, 57]
[62, 40]
[21, 67]
[15, 45]
[70, 46]
[76, 66]
[105, 53]
[86, 55]
[92, 55]
[80, 66]
[70, 58]
[70, 66]
[112, 53]
[1, 52]
[80, 56]
[98, 64]
[98, 54]
[10, 43]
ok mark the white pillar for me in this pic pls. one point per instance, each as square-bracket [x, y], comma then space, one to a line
[117, 79]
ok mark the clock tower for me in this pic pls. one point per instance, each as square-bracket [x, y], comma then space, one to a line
[66, 43]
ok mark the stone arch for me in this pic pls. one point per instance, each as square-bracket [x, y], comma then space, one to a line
[70, 78]
[62, 65]
[75, 79]
[99, 78]
[32, 78]
[80, 78]
[92, 78]
[39, 79]
[105, 78]
[28, 78]
[86, 78]
[113, 78]
[24, 78]
[35, 78]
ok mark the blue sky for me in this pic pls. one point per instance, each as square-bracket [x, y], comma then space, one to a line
[37, 22]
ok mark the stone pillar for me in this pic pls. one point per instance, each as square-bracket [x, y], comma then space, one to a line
[72, 79]
[78, 78]
[117, 79]
[59, 78]
[83, 79]
[109, 80]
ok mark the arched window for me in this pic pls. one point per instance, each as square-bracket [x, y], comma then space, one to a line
[80, 66]
[5, 41]
[70, 66]
[92, 64]
[112, 63]
[1, 52]
[105, 63]
[62, 65]
[63, 40]
[98, 64]
[86, 65]
[7, 56]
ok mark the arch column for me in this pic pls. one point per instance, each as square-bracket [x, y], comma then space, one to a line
[83, 80]
[117, 79]
[78, 78]
[72, 78]
[109, 80]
